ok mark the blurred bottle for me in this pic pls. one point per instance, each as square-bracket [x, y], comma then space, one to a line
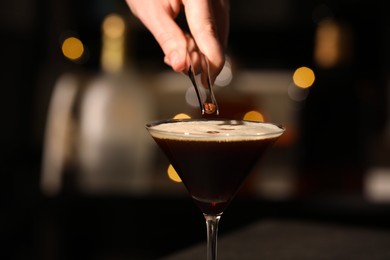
[105, 148]
[113, 146]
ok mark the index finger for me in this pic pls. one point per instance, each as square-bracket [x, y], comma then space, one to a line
[201, 22]
[159, 20]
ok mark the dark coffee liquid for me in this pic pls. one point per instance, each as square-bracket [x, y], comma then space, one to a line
[213, 171]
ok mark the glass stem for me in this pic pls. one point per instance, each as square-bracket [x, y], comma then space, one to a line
[212, 233]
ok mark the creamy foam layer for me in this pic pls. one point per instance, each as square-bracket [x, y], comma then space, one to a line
[215, 130]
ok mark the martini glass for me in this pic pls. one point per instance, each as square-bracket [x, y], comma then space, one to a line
[213, 157]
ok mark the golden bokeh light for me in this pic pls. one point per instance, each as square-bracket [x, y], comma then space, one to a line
[172, 174]
[113, 47]
[113, 26]
[72, 48]
[333, 44]
[303, 77]
[181, 116]
[254, 116]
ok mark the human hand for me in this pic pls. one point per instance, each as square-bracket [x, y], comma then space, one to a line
[208, 21]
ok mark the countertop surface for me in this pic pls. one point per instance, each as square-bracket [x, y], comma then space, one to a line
[291, 239]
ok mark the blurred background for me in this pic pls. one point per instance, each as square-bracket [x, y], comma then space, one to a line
[82, 179]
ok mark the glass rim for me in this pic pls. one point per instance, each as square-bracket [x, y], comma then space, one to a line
[149, 127]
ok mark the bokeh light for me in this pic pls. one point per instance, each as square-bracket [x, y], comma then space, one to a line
[72, 48]
[172, 174]
[181, 116]
[333, 44]
[113, 26]
[254, 116]
[225, 76]
[296, 93]
[191, 97]
[113, 47]
[303, 77]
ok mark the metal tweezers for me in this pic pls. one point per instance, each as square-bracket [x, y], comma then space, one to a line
[200, 77]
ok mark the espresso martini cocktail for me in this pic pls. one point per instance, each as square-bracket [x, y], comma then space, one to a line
[213, 158]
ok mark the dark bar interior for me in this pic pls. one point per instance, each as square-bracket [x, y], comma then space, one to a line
[82, 179]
